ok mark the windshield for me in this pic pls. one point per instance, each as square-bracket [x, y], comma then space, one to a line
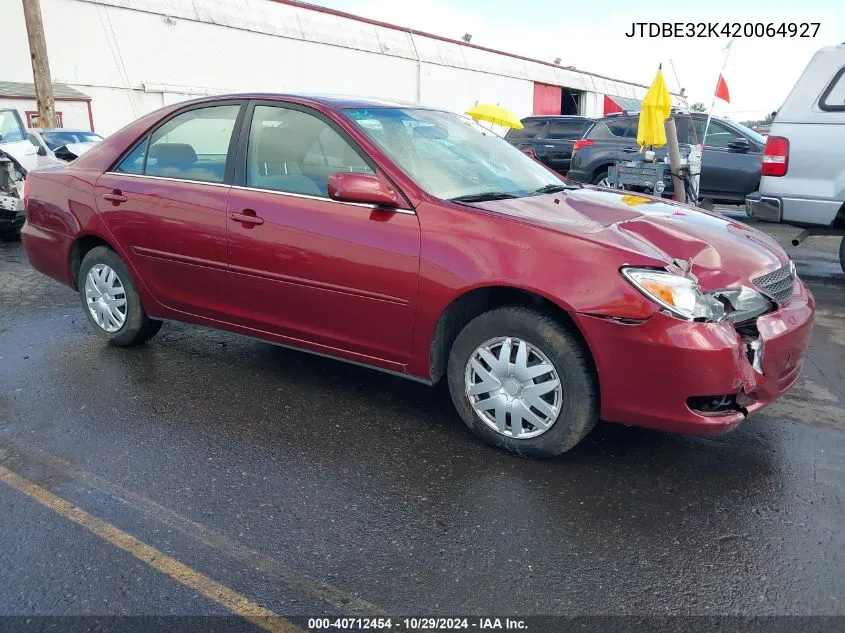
[56, 139]
[450, 156]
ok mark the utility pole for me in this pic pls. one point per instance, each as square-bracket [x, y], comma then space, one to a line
[40, 63]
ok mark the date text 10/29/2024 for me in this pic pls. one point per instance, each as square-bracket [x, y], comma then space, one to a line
[416, 624]
[723, 29]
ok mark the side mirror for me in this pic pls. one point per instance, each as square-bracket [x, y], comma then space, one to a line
[363, 189]
[739, 145]
[40, 149]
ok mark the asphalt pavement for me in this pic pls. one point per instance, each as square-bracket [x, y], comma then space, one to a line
[208, 474]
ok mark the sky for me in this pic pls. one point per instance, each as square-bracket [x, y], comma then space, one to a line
[591, 36]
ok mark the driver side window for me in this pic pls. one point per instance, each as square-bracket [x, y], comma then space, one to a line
[718, 135]
[295, 152]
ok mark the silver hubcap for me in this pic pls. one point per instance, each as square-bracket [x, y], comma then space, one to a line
[106, 297]
[513, 387]
[604, 182]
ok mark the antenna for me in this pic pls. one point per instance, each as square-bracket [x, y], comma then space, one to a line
[678, 83]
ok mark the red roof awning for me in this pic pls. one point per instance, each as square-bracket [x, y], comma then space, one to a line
[620, 104]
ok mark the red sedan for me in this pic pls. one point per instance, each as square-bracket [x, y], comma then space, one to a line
[412, 241]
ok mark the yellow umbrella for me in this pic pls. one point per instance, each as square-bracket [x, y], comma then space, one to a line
[494, 114]
[656, 108]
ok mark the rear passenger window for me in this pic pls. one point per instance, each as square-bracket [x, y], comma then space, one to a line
[531, 128]
[625, 128]
[565, 130]
[600, 131]
[833, 97]
[295, 152]
[621, 128]
[193, 145]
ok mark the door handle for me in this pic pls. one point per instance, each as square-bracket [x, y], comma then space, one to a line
[115, 197]
[248, 217]
[630, 150]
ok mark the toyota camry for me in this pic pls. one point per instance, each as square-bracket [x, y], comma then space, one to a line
[413, 241]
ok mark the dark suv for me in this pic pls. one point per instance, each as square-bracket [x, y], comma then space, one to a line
[549, 139]
[730, 167]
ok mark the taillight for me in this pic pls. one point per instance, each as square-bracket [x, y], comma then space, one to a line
[529, 151]
[775, 156]
[583, 142]
[25, 195]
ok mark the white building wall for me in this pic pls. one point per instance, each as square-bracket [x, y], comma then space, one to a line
[74, 113]
[459, 89]
[593, 104]
[132, 56]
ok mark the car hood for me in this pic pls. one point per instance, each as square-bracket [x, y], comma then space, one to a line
[722, 252]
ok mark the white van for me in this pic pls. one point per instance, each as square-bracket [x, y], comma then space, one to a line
[803, 171]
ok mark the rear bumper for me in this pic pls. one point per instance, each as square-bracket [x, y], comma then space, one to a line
[792, 210]
[687, 360]
[48, 252]
[764, 208]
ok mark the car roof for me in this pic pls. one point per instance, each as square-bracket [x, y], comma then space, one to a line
[555, 117]
[60, 129]
[675, 113]
[335, 101]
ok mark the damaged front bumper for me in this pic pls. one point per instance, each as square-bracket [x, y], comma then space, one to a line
[692, 377]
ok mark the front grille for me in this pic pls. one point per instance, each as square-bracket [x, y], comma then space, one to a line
[778, 284]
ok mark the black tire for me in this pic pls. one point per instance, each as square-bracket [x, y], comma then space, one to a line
[137, 326]
[842, 254]
[599, 176]
[579, 409]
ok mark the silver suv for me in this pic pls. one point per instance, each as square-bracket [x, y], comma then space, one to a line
[803, 172]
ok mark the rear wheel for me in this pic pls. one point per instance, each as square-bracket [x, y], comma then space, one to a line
[110, 300]
[601, 179]
[523, 382]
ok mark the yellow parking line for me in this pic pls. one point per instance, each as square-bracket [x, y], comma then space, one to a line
[222, 595]
[349, 603]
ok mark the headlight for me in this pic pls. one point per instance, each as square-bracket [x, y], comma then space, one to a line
[680, 295]
[746, 303]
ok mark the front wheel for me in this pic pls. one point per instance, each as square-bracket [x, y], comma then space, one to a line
[110, 300]
[522, 381]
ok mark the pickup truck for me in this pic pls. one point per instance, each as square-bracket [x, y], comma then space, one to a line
[803, 181]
